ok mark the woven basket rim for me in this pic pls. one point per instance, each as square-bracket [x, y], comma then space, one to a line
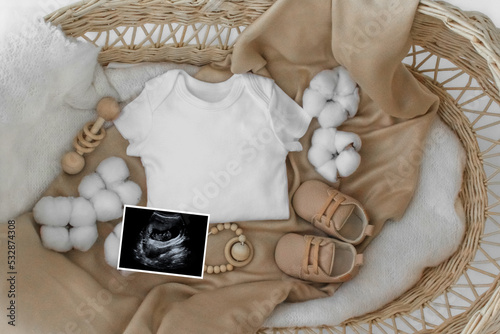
[486, 42]
[485, 39]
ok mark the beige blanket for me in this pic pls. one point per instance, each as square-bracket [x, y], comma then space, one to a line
[369, 38]
[79, 293]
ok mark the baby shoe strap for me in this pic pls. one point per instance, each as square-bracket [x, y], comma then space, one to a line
[311, 240]
[327, 203]
[329, 208]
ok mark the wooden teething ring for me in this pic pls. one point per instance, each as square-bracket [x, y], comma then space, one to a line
[83, 142]
[90, 136]
[238, 251]
[94, 136]
[231, 259]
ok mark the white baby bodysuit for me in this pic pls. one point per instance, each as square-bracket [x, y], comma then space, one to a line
[216, 148]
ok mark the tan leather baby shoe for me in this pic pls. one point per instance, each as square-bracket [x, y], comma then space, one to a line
[334, 213]
[317, 259]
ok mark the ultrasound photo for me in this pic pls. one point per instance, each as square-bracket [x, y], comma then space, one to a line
[163, 242]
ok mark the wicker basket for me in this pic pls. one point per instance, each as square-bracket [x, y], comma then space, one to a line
[456, 55]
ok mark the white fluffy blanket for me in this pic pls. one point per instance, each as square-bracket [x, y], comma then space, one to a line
[49, 86]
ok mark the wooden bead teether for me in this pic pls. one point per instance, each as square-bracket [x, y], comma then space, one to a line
[238, 251]
[90, 136]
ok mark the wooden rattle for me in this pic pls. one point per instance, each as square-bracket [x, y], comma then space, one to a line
[90, 136]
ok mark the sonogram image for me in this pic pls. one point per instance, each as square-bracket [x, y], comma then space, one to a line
[167, 242]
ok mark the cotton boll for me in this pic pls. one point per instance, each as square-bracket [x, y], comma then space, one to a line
[118, 230]
[83, 237]
[344, 139]
[55, 238]
[112, 170]
[328, 170]
[345, 83]
[318, 155]
[325, 82]
[53, 211]
[125, 273]
[90, 185]
[347, 162]
[332, 115]
[107, 205]
[112, 246]
[324, 137]
[313, 102]
[83, 213]
[350, 103]
[128, 191]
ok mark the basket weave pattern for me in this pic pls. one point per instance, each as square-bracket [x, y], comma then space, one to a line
[195, 32]
[456, 55]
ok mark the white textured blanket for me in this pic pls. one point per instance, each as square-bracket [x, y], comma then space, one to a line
[49, 86]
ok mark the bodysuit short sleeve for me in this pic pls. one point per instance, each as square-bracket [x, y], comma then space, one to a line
[290, 121]
[135, 121]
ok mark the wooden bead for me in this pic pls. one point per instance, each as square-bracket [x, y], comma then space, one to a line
[214, 230]
[223, 268]
[210, 269]
[220, 227]
[72, 163]
[234, 227]
[108, 108]
[242, 238]
[227, 226]
[216, 269]
[240, 252]
[239, 231]
[229, 267]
